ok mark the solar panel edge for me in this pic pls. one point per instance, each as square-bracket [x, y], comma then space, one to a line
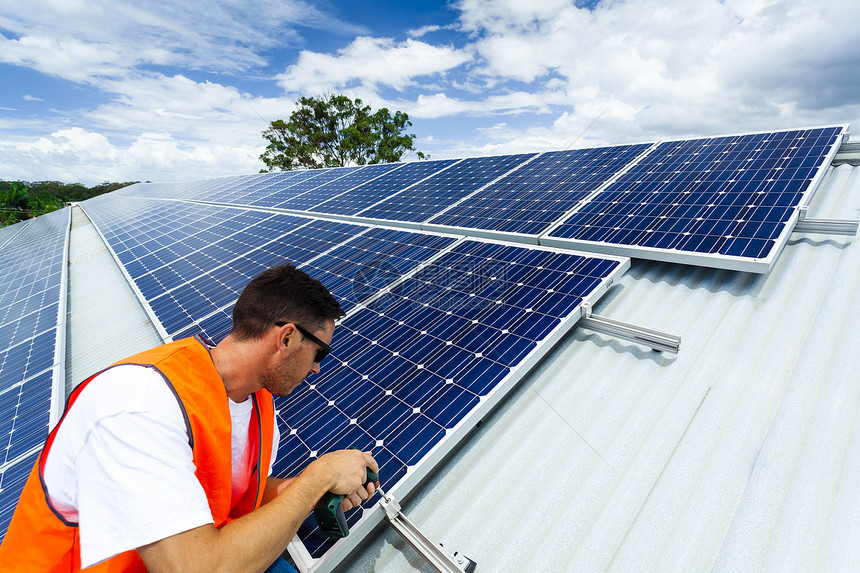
[823, 168]
[407, 225]
[455, 437]
[58, 393]
[842, 127]
[506, 236]
[726, 262]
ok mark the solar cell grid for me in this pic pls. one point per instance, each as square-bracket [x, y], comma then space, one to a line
[12, 479]
[283, 188]
[538, 193]
[249, 188]
[179, 285]
[728, 196]
[355, 200]
[427, 198]
[363, 266]
[350, 178]
[31, 288]
[280, 195]
[203, 294]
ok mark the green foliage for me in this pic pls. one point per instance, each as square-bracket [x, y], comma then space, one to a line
[20, 201]
[335, 131]
[14, 204]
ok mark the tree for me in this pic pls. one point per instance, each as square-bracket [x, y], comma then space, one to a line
[335, 131]
[14, 204]
[19, 201]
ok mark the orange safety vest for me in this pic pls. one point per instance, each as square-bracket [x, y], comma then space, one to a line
[40, 539]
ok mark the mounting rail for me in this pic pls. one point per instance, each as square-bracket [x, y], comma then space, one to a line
[826, 226]
[438, 559]
[655, 339]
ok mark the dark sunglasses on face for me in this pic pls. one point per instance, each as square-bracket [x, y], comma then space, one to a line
[324, 348]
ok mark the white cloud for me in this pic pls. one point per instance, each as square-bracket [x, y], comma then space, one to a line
[82, 156]
[371, 62]
[70, 59]
[83, 41]
[423, 31]
[675, 68]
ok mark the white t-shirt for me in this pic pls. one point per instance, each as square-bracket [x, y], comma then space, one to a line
[122, 468]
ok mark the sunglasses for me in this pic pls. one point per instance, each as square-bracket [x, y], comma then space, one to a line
[324, 348]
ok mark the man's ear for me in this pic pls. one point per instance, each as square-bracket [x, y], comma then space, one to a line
[284, 336]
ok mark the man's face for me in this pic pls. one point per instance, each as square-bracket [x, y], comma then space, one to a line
[296, 361]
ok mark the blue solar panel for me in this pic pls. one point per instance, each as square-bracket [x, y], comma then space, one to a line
[723, 198]
[349, 179]
[355, 200]
[244, 189]
[421, 201]
[12, 480]
[530, 199]
[31, 294]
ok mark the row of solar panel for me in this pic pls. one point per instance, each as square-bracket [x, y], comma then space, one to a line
[33, 258]
[723, 201]
[435, 324]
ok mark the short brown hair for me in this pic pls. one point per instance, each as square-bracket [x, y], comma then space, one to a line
[283, 293]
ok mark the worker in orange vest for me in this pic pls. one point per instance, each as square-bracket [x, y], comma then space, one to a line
[161, 462]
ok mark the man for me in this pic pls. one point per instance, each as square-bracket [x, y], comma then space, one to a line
[158, 461]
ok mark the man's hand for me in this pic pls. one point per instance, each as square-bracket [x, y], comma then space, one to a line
[347, 472]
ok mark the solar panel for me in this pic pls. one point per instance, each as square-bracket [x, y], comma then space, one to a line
[421, 201]
[12, 480]
[728, 202]
[32, 310]
[363, 196]
[531, 198]
[439, 327]
[349, 179]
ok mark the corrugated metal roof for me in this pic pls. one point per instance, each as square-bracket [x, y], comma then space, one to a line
[741, 453]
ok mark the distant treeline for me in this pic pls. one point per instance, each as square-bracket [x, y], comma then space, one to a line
[23, 200]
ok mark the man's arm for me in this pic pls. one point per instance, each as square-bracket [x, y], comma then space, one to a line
[274, 487]
[254, 541]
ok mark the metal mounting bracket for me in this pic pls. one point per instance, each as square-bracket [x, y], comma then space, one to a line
[825, 226]
[438, 559]
[655, 339]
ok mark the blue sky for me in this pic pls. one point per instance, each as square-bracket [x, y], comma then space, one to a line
[120, 90]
